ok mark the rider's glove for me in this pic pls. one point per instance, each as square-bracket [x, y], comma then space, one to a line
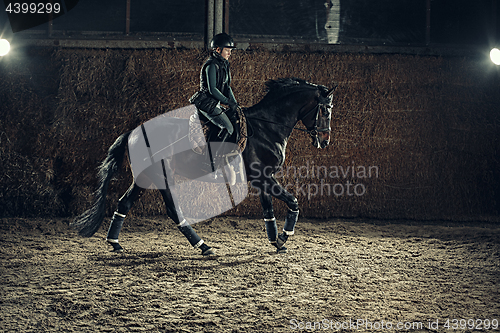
[233, 105]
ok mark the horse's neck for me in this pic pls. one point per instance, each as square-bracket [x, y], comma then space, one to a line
[271, 132]
[278, 121]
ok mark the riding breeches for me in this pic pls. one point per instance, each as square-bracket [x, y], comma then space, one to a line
[220, 119]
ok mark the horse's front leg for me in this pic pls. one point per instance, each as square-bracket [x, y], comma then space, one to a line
[271, 187]
[266, 201]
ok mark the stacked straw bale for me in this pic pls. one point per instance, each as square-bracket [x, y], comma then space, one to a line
[427, 128]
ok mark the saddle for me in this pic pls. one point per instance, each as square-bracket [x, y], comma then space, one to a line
[202, 131]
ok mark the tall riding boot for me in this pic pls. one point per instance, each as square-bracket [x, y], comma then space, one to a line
[214, 154]
[236, 125]
[223, 135]
[218, 155]
[114, 230]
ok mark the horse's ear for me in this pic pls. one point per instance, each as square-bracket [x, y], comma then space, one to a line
[331, 91]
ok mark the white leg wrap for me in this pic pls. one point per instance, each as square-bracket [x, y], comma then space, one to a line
[183, 223]
[200, 243]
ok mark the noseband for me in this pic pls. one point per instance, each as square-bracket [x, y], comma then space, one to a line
[315, 130]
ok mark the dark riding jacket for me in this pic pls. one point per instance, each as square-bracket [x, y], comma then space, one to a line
[215, 84]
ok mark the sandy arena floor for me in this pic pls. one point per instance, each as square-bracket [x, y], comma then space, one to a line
[339, 275]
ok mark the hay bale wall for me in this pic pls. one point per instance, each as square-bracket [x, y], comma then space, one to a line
[421, 133]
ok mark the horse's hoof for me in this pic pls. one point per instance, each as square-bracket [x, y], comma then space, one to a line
[116, 247]
[208, 252]
[281, 240]
[282, 250]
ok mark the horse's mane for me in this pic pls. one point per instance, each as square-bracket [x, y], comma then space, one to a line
[284, 86]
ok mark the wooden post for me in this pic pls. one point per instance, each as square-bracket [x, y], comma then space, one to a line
[428, 24]
[494, 22]
[226, 16]
[210, 21]
[50, 28]
[127, 19]
[219, 9]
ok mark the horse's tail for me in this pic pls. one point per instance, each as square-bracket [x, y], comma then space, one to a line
[89, 222]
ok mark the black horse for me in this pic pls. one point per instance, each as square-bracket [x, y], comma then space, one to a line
[270, 123]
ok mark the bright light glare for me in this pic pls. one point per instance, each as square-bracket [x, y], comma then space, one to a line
[495, 56]
[4, 47]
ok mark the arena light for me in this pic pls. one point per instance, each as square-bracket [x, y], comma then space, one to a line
[4, 47]
[495, 56]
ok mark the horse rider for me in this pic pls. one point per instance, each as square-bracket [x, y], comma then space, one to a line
[215, 86]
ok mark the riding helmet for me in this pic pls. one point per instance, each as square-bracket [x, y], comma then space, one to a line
[222, 40]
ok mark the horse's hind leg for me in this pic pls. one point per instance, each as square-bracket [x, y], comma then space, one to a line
[124, 205]
[183, 225]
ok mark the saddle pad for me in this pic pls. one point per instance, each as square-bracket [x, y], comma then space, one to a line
[200, 130]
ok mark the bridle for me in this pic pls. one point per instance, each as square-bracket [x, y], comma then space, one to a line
[314, 132]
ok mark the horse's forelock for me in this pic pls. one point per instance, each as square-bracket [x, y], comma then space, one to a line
[323, 96]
